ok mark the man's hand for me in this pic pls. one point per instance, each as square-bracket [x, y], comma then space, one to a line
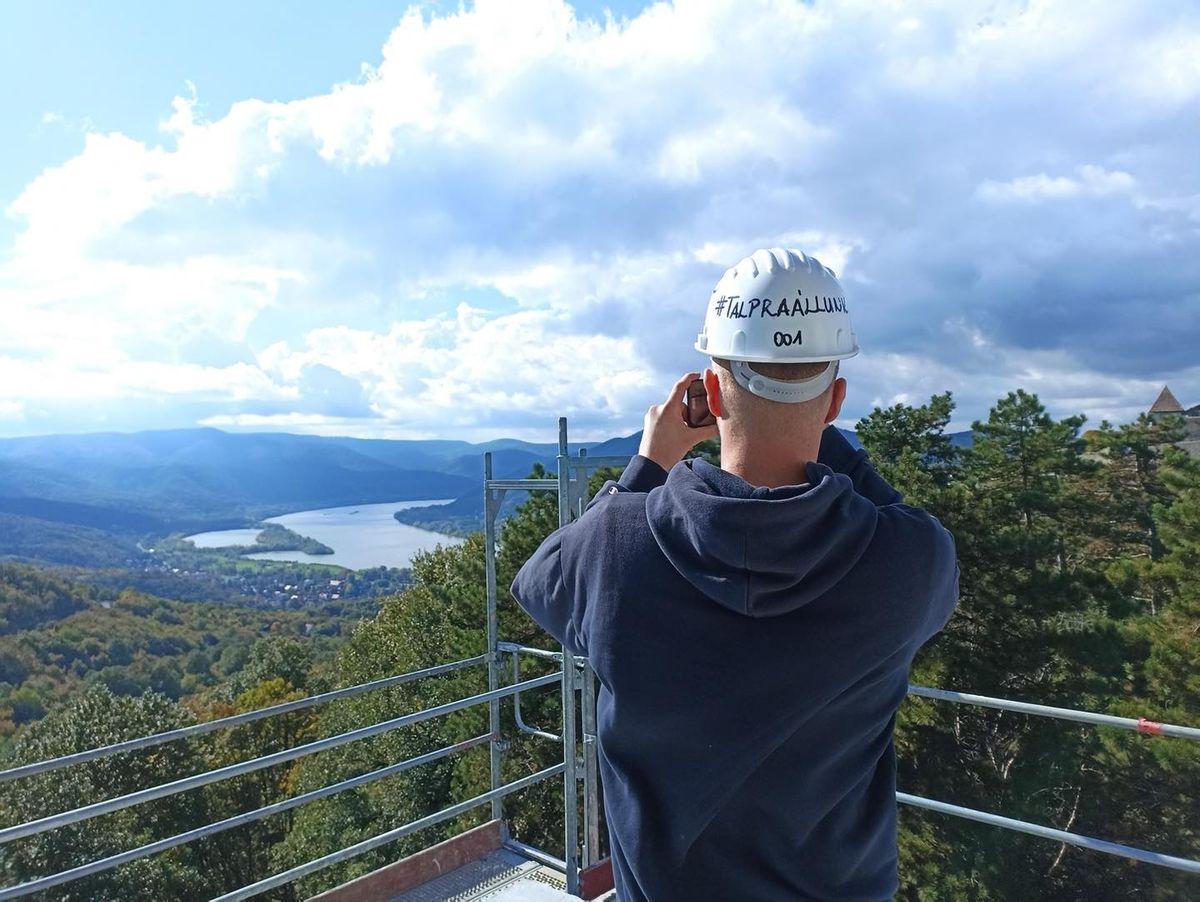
[665, 435]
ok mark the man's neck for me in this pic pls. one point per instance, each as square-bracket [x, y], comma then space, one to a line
[771, 464]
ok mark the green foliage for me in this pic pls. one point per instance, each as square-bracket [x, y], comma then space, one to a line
[909, 445]
[282, 658]
[1032, 623]
[271, 537]
[1173, 668]
[97, 717]
[246, 854]
[1131, 484]
[438, 619]
[28, 598]
[25, 706]
[1168, 773]
[458, 518]
[1057, 541]
[79, 636]
[708, 450]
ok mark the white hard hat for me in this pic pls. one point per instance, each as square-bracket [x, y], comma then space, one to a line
[778, 306]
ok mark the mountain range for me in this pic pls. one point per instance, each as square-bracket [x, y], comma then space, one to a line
[187, 480]
[193, 479]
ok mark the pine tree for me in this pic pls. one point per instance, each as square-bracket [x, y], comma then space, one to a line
[1153, 779]
[1035, 622]
[1174, 666]
[1130, 481]
[910, 449]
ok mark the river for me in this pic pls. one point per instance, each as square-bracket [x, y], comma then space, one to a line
[361, 536]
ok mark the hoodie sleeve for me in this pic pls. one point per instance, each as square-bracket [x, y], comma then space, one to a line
[943, 575]
[945, 599]
[943, 589]
[540, 587]
[841, 457]
[928, 547]
[641, 475]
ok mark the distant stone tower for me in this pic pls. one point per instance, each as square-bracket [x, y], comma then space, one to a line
[1168, 405]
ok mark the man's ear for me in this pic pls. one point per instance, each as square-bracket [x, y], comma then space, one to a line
[835, 400]
[713, 387]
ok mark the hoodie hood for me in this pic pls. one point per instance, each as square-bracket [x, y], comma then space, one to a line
[759, 551]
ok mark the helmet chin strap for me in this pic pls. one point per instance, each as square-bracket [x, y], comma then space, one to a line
[786, 391]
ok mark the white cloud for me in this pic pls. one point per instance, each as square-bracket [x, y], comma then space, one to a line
[471, 373]
[22, 382]
[1089, 181]
[989, 374]
[981, 175]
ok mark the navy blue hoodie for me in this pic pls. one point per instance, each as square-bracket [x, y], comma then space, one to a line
[752, 646]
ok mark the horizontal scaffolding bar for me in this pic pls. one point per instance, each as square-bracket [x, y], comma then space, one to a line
[367, 845]
[1140, 724]
[590, 463]
[237, 820]
[533, 853]
[129, 745]
[1075, 839]
[516, 648]
[233, 770]
[524, 485]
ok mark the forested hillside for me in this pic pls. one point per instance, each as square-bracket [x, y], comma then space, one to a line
[1080, 559]
[59, 637]
[54, 542]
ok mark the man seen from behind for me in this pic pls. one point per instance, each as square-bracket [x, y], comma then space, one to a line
[751, 625]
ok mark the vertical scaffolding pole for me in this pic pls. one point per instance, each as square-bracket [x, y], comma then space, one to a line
[489, 543]
[591, 776]
[570, 790]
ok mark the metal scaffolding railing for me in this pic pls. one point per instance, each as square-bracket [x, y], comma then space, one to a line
[238, 820]
[1074, 839]
[1140, 725]
[578, 766]
[86, 812]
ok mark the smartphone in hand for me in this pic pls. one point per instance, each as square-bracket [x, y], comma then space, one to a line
[695, 405]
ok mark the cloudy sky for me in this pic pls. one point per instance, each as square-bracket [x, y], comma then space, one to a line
[467, 221]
